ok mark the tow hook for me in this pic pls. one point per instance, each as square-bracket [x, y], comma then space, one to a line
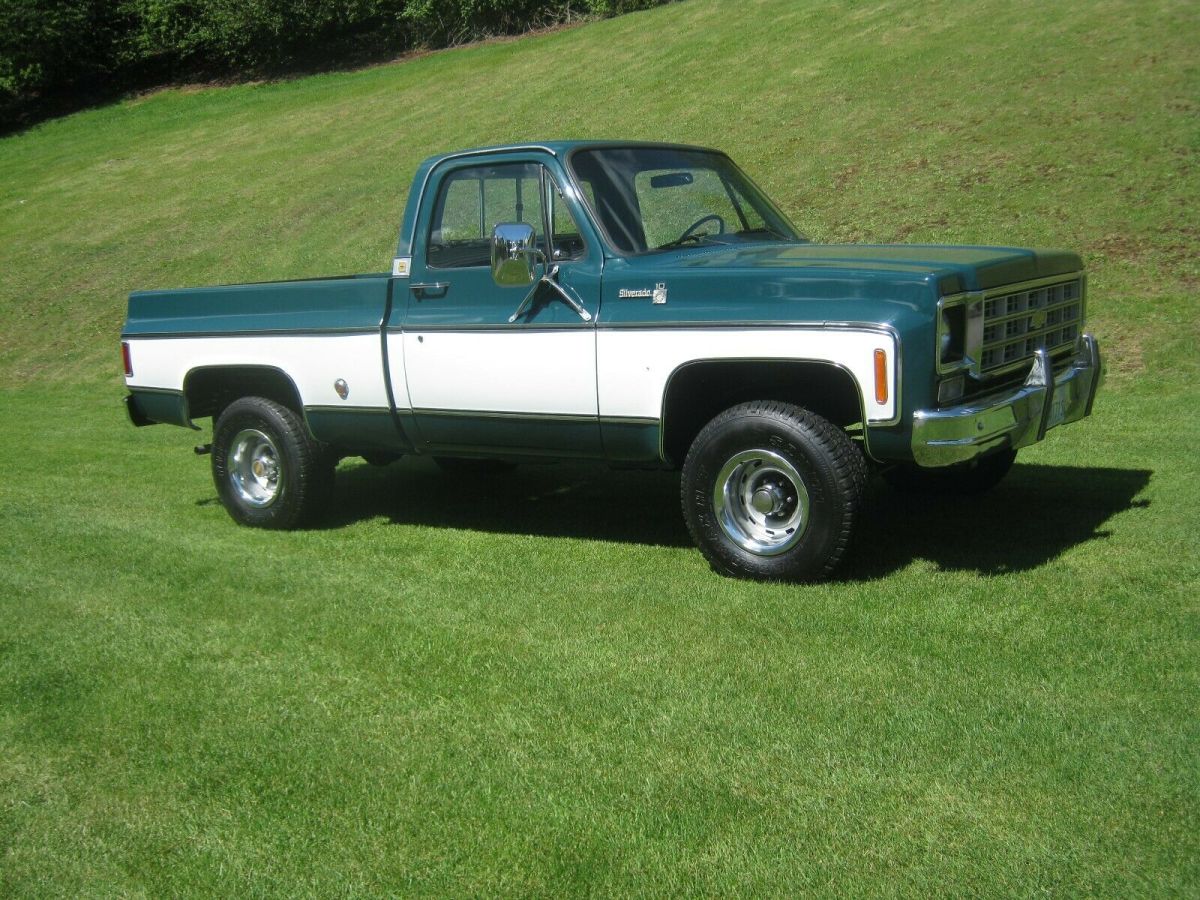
[202, 449]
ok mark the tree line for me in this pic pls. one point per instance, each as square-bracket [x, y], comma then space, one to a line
[60, 55]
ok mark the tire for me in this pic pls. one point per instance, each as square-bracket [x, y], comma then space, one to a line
[458, 465]
[772, 491]
[965, 479]
[270, 472]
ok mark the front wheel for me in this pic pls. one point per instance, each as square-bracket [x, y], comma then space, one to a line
[772, 491]
[269, 471]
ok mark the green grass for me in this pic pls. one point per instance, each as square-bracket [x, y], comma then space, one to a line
[537, 686]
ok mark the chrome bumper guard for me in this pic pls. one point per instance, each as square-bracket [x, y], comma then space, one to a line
[943, 437]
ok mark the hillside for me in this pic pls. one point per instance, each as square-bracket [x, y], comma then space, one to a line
[1013, 123]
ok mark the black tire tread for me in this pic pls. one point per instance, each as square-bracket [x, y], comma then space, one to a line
[311, 473]
[845, 457]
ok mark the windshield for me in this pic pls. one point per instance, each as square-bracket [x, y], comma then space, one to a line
[657, 198]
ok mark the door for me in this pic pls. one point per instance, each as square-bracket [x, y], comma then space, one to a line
[477, 382]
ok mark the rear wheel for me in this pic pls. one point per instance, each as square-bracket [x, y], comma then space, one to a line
[269, 471]
[772, 491]
[974, 477]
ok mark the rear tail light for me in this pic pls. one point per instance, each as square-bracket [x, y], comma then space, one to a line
[126, 359]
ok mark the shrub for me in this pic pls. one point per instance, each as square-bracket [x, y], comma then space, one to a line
[61, 54]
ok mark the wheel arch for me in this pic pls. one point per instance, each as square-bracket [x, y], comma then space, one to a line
[698, 390]
[207, 390]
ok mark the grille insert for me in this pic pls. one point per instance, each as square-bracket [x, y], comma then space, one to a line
[1018, 322]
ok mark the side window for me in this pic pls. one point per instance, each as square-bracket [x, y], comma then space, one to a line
[471, 202]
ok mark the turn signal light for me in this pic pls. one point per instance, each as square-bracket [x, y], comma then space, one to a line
[881, 379]
[126, 359]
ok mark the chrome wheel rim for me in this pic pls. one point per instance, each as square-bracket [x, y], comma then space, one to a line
[761, 502]
[255, 468]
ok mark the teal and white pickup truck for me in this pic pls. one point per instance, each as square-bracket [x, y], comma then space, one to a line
[641, 305]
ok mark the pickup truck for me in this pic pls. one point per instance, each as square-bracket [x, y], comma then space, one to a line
[642, 305]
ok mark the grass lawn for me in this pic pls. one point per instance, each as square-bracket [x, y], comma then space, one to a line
[536, 685]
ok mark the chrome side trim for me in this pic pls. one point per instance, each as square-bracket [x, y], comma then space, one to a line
[250, 332]
[743, 324]
[486, 328]
[944, 437]
[505, 414]
[353, 410]
[630, 420]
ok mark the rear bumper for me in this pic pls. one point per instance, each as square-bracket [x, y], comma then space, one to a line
[943, 437]
[149, 406]
[136, 416]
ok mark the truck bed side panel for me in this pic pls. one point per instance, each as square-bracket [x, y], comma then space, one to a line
[314, 332]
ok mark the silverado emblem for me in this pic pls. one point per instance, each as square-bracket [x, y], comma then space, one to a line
[657, 296]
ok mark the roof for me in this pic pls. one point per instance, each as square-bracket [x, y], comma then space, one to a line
[562, 148]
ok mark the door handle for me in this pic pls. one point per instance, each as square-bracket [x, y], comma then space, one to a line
[430, 288]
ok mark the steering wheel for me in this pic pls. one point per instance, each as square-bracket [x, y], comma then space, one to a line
[691, 228]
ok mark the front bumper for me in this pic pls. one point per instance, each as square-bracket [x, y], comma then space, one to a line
[943, 437]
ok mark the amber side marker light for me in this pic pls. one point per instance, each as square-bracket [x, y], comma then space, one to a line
[881, 379]
[126, 358]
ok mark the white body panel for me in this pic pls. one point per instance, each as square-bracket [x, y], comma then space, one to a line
[634, 364]
[314, 363]
[613, 373]
[536, 372]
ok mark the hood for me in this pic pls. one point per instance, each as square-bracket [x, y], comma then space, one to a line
[897, 285]
[959, 268]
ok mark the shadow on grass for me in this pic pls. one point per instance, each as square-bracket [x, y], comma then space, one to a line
[1033, 516]
[1036, 514]
[548, 500]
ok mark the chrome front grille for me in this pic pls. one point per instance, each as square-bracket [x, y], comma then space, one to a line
[1021, 319]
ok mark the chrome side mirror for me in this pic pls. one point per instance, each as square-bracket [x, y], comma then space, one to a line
[514, 256]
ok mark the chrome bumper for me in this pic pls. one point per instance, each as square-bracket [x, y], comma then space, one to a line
[943, 437]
